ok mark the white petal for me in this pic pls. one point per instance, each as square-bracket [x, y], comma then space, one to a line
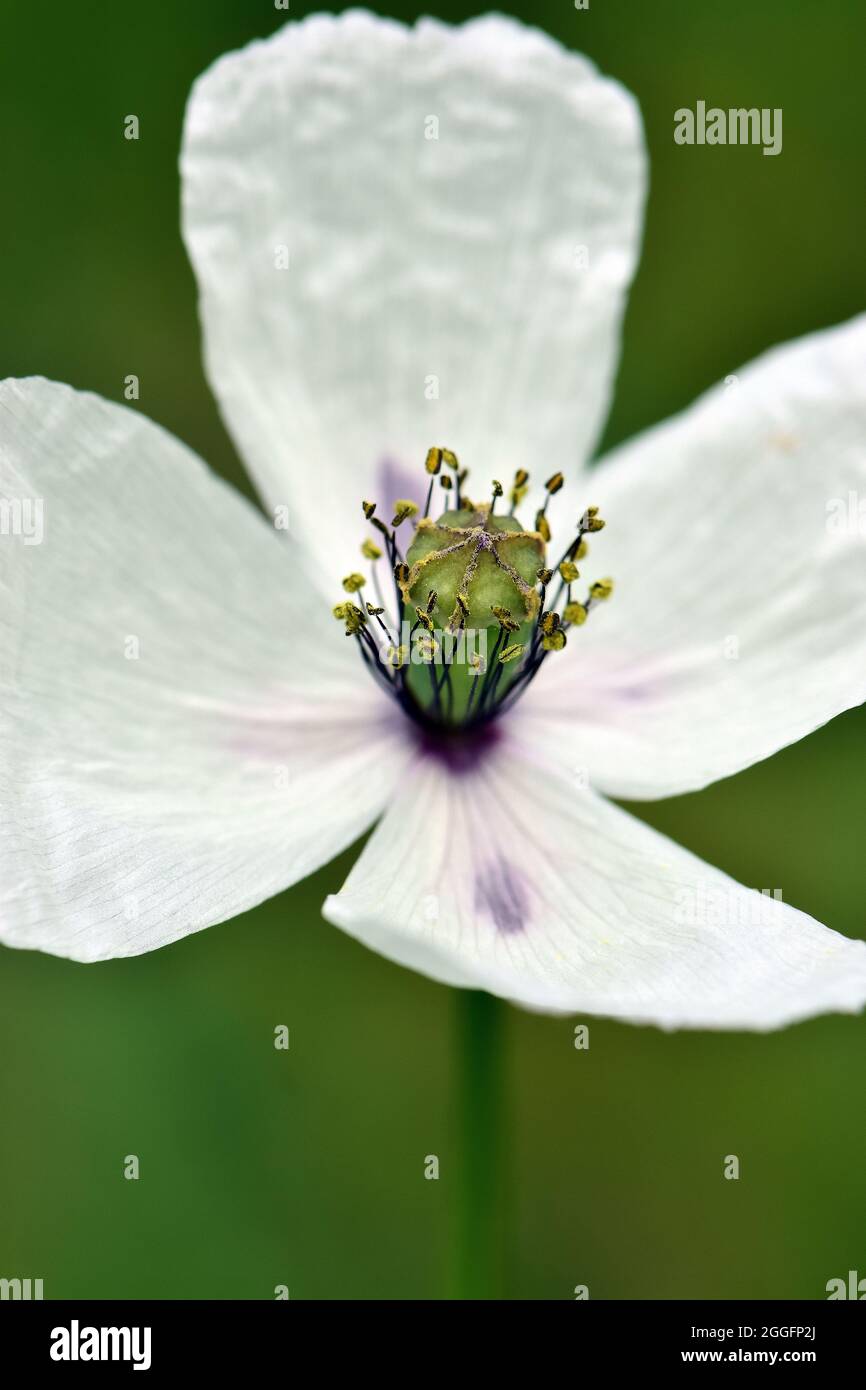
[185, 734]
[511, 882]
[417, 265]
[737, 540]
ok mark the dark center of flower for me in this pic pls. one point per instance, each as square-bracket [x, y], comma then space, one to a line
[475, 611]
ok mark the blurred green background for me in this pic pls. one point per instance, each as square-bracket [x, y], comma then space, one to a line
[305, 1168]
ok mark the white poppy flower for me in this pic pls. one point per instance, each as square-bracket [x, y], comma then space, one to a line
[405, 238]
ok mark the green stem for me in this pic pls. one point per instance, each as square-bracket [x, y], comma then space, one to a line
[479, 1178]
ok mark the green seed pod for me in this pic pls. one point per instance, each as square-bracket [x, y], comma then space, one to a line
[478, 561]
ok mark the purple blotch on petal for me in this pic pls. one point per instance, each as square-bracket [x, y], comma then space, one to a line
[501, 893]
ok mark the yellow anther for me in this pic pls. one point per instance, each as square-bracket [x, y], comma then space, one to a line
[521, 478]
[446, 481]
[582, 551]
[544, 577]
[373, 611]
[542, 526]
[574, 613]
[516, 496]
[504, 618]
[569, 571]
[424, 619]
[353, 582]
[497, 488]
[554, 642]
[511, 653]
[554, 483]
[398, 656]
[591, 521]
[458, 617]
[549, 623]
[449, 458]
[433, 461]
[426, 647]
[403, 508]
[477, 664]
[602, 588]
[351, 616]
[371, 550]
[401, 573]
[369, 508]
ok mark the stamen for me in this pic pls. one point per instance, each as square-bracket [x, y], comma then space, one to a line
[492, 670]
[457, 621]
[352, 616]
[433, 464]
[511, 653]
[376, 613]
[403, 509]
[574, 614]
[504, 618]
[519, 489]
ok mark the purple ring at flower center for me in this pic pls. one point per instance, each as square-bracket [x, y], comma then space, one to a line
[458, 751]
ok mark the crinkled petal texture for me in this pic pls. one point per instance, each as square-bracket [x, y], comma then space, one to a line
[176, 741]
[514, 883]
[406, 237]
[737, 540]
